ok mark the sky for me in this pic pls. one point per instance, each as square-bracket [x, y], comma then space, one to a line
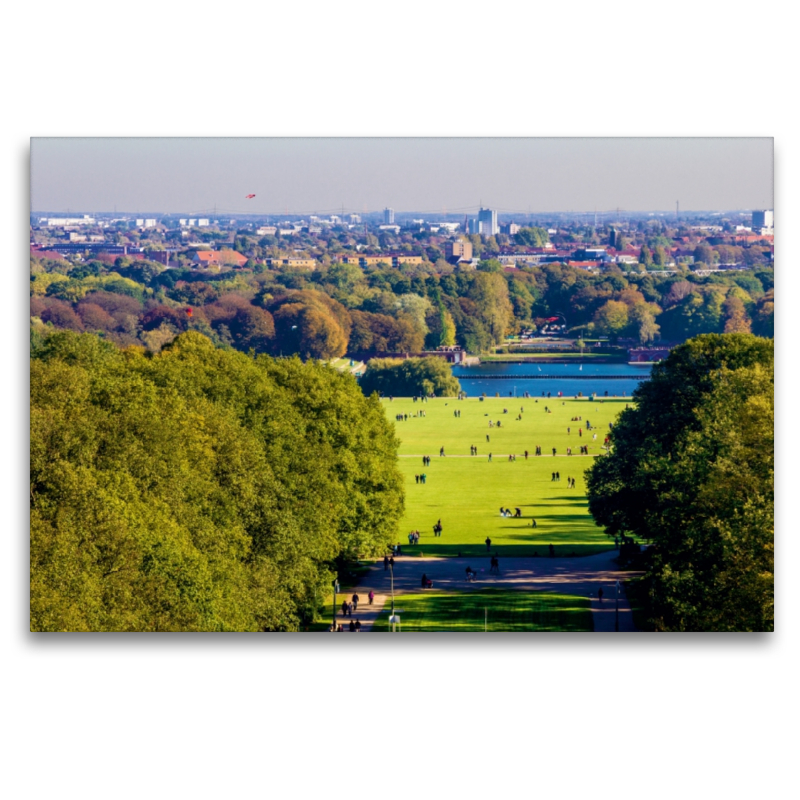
[426, 175]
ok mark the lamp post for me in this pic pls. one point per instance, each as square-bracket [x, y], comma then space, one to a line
[335, 583]
[616, 611]
[391, 575]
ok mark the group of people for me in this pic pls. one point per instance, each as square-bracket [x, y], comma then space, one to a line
[437, 529]
[354, 627]
[555, 477]
[495, 565]
[422, 478]
[473, 451]
[427, 583]
[457, 412]
[350, 606]
[570, 483]
[506, 512]
[413, 537]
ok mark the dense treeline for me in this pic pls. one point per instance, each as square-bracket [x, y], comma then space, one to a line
[410, 377]
[692, 471]
[341, 308]
[198, 488]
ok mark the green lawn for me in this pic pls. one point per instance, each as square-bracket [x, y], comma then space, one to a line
[489, 609]
[466, 492]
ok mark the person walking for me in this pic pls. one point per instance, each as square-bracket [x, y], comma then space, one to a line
[344, 608]
[385, 563]
[371, 597]
[356, 598]
[488, 544]
[358, 626]
[600, 595]
[490, 456]
[416, 478]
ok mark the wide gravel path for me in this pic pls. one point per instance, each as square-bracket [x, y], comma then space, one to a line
[582, 576]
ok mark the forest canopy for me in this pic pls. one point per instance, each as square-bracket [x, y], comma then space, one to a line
[198, 489]
[691, 470]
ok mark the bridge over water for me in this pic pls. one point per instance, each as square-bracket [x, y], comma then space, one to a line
[542, 376]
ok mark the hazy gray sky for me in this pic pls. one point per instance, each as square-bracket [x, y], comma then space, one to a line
[306, 175]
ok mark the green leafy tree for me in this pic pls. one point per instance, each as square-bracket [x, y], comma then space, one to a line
[691, 470]
[531, 237]
[410, 377]
[612, 317]
[198, 488]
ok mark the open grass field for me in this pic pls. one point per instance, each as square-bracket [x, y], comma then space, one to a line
[466, 492]
[495, 609]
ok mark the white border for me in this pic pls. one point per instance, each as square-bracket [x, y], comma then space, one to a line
[692, 715]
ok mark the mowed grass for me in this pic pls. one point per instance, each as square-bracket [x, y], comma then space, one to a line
[466, 492]
[495, 609]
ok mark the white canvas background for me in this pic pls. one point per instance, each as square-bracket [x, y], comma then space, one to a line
[236, 716]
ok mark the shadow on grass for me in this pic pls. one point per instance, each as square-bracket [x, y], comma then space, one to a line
[490, 610]
[537, 549]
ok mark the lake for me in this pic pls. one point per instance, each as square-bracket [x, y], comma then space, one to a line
[569, 378]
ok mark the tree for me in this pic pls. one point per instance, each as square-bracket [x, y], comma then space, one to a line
[410, 377]
[643, 319]
[489, 293]
[691, 470]
[531, 237]
[736, 319]
[705, 254]
[612, 317]
[645, 256]
[198, 488]
[764, 317]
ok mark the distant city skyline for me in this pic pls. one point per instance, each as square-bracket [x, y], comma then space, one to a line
[425, 175]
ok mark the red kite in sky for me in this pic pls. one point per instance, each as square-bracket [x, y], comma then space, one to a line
[249, 197]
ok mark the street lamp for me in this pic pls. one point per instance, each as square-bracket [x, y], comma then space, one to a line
[391, 575]
[335, 583]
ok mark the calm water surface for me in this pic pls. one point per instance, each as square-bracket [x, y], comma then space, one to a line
[568, 378]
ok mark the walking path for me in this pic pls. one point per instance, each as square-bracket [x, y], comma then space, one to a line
[576, 576]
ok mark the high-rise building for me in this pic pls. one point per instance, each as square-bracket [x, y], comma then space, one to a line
[388, 216]
[763, 219]
[487, 222]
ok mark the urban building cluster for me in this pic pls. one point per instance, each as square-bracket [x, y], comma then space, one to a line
[706, 243]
